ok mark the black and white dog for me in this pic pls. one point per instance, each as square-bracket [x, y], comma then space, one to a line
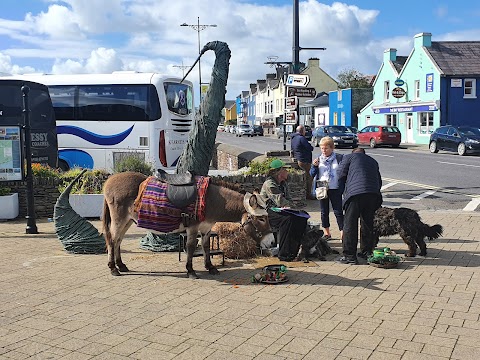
[406, 223]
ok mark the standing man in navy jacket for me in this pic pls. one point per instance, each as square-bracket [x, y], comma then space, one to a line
[361, 198]
[302, 151]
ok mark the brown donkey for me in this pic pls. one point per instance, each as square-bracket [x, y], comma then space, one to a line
[221, 204]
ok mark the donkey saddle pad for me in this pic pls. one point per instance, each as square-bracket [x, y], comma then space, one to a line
[181, 188]
[157, 212]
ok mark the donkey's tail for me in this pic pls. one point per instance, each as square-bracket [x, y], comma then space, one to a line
[432, 232]
[107, 221]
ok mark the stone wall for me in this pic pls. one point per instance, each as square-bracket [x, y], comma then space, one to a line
[45, 192]
[226, 157]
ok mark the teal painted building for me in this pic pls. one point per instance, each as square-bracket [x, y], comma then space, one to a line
[434, 85]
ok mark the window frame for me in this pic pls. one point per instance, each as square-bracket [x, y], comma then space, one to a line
[417, 89]
[473, 89]
[386, 91]
[429, 127]
[391, 119]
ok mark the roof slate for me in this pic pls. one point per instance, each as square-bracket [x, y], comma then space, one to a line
[456, 57]
[399, 62]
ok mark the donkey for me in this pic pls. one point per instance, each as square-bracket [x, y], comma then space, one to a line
[221, 204]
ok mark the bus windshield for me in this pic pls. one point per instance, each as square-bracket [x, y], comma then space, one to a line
[179, 98]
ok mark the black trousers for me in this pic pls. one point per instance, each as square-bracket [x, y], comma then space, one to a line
[361, 207]
[290, 230]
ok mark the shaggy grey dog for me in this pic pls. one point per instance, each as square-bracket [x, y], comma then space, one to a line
[406, 223]
[314, 246]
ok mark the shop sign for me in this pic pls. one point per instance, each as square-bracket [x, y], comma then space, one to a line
[399, 82]
[398, 92]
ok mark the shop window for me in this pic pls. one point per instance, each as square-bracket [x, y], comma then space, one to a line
[391, 119]
[469, 89]
[417, 89]
[425, 120]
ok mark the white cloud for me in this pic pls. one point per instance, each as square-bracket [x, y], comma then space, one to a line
[7, 67]
[145, 35]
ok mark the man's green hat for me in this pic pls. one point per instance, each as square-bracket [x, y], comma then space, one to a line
[277, 164]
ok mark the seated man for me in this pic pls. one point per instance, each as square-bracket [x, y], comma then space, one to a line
[290, 226]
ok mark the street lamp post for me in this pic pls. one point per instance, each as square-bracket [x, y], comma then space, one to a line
[199, 27]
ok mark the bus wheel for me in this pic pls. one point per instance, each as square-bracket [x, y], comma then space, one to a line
[63, 166]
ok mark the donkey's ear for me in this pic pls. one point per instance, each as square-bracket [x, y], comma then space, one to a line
[252, 205]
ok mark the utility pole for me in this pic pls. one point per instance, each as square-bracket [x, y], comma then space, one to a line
[296, 50]
[199, 27]
[182, 67]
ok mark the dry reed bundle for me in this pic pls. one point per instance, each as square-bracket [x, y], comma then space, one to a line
[234, 241]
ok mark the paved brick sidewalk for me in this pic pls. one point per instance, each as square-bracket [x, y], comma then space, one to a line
[55, 305]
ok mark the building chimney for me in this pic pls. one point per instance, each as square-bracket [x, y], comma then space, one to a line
[313, 62]
[422, 39]
[390, 54]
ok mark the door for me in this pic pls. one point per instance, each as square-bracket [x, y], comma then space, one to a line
[409, 133]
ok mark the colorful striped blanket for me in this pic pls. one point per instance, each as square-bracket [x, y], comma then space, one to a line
[155, 212]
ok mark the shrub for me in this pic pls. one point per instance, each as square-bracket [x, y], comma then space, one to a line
[90, 183]
[133, 162]
[259, 167]
[5, 191]
[44, 171]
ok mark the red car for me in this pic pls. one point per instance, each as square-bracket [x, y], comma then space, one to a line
[375, 135]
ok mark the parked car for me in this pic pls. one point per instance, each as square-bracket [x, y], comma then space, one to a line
[341, 135]
[257, 130]
[461, 139]
[353, 129]
[244, 129]
[220, 128]
[375, 135]
[279, 132]
[233, 129]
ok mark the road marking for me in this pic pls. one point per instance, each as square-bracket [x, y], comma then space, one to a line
[423, 195]
[472, 205]
[386, 186]
[449, 163]
[373, 154]
[437, 188]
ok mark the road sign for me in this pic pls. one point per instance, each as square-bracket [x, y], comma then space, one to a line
[398, 92]
[298, 80]
[291, 103]
[290, 117]
[301, 92]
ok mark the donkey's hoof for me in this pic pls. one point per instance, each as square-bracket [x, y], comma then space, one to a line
[409, 254]
[192, 275]
[213, 271]
[123, 268]
[115, 272]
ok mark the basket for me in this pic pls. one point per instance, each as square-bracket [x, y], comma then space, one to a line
[386, 265]
[272, 274]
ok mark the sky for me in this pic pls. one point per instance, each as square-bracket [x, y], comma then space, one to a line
[101, 36]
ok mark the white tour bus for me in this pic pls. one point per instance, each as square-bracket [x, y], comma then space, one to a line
[101, 118]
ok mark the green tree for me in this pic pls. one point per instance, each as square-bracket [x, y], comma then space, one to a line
[352, 78]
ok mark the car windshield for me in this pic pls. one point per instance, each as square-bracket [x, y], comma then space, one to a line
[245, 126]
[338, 129]
[390, 129]
[469, 131]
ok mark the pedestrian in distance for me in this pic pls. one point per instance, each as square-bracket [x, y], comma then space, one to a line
[289, 224]
[361, 198]
[324, 169]
[302, 152]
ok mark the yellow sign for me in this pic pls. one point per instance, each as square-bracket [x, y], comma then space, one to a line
[204, 89]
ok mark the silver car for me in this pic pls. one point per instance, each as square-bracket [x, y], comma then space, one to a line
[244, 129]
